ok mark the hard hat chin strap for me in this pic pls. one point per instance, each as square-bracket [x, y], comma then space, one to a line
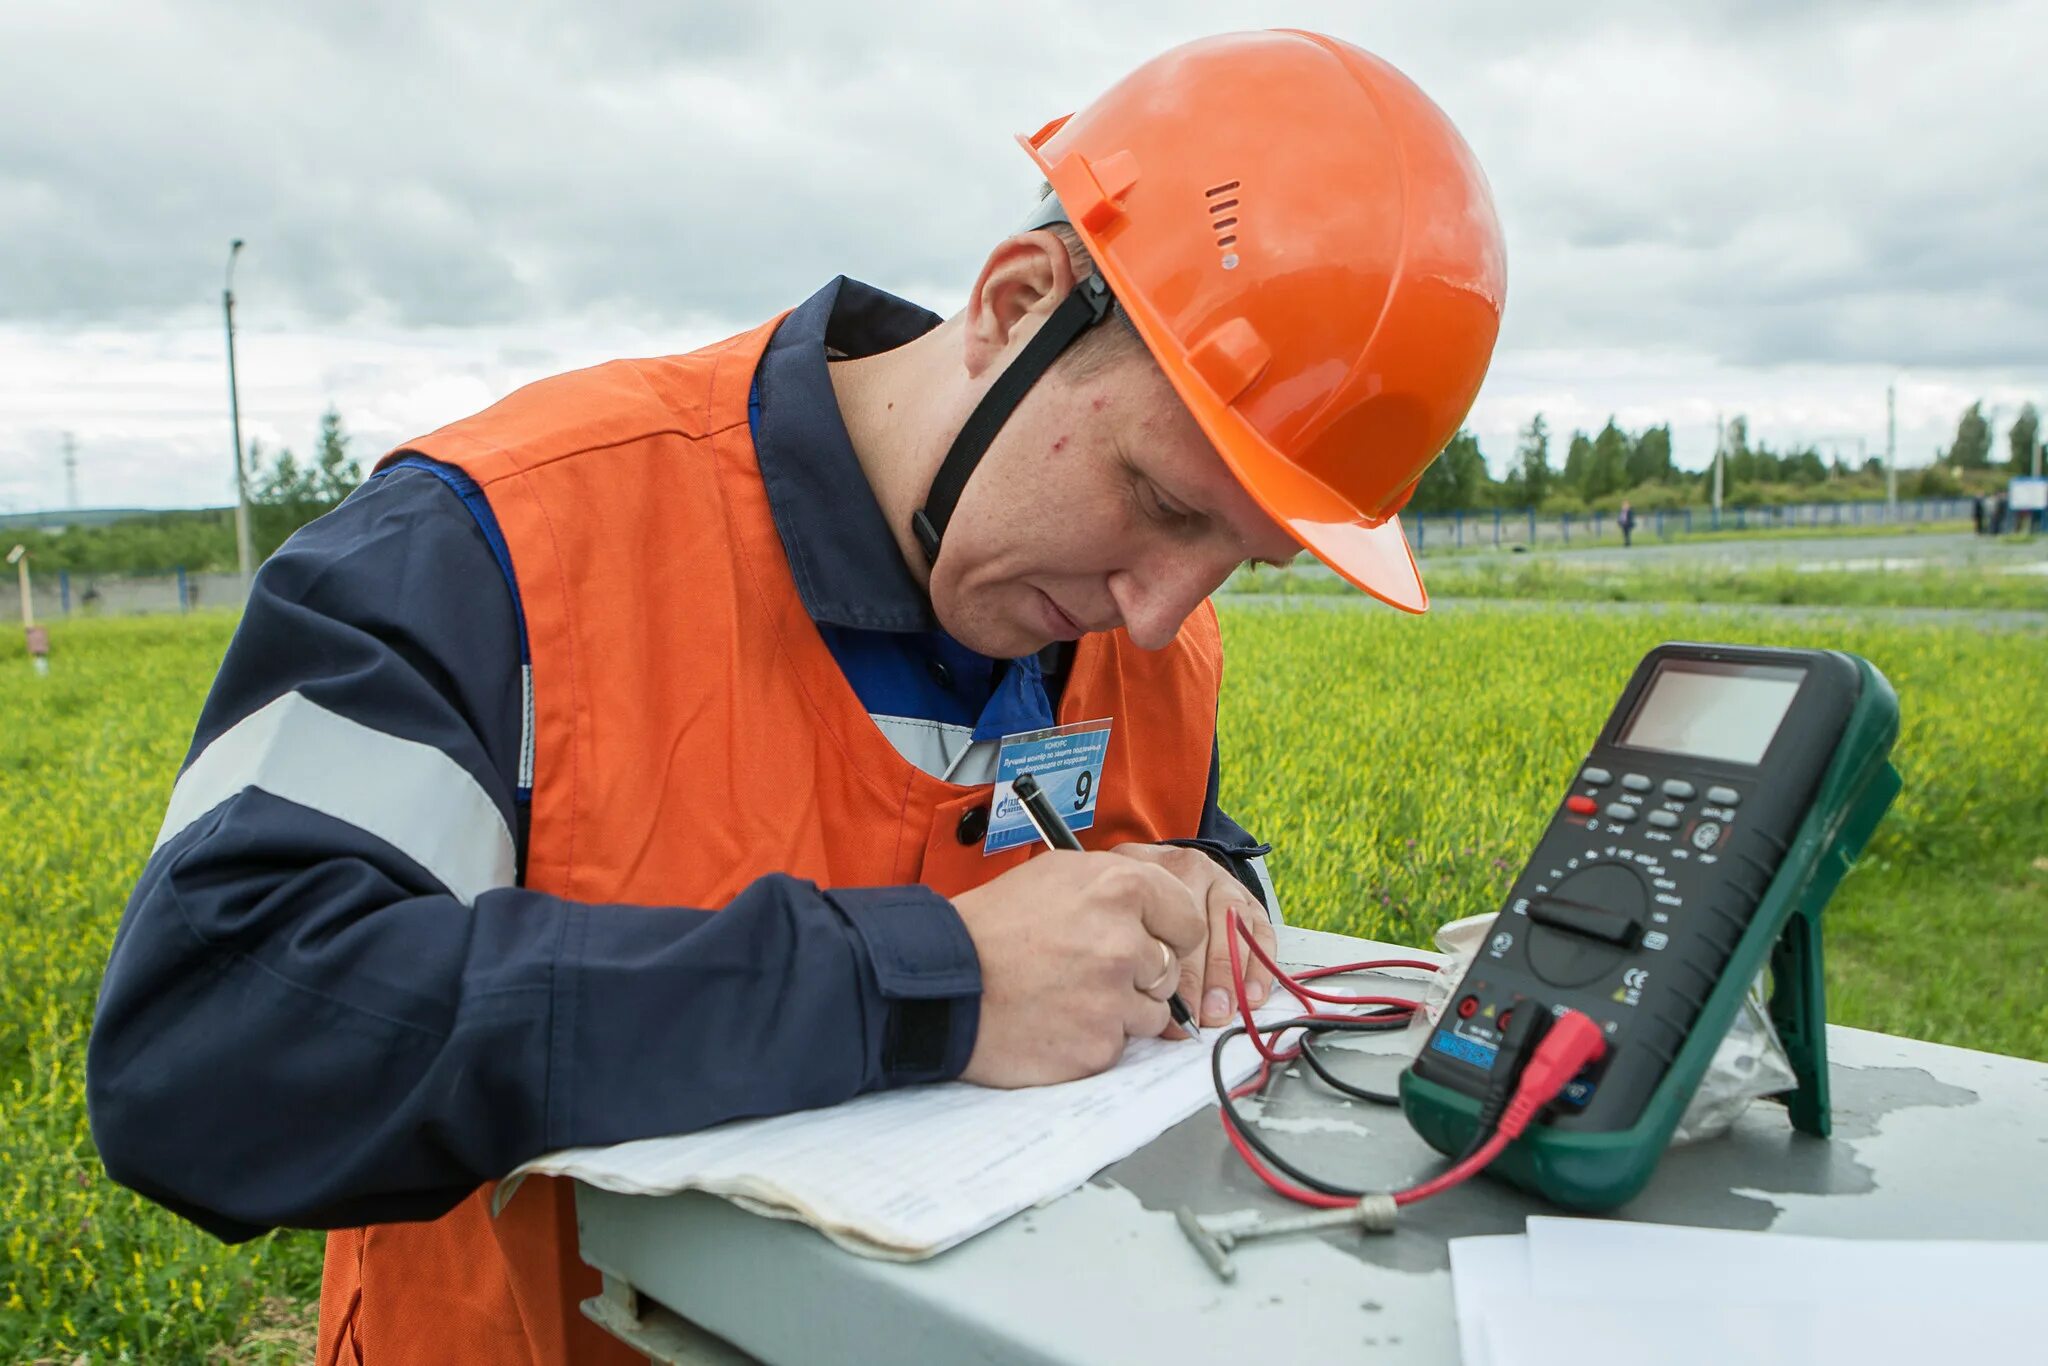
[1087, 305]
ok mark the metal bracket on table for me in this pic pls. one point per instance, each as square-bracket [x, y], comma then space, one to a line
[1214, 1237]
[653, 1328]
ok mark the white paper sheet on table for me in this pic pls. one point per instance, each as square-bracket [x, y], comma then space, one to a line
[906, 1174]
[1595, 1292]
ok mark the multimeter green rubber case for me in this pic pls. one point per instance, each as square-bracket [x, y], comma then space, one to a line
[1792, 749]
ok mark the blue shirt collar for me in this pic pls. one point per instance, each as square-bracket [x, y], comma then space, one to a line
[843, 556]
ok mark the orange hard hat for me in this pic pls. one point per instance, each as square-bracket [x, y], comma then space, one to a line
[1310, 252]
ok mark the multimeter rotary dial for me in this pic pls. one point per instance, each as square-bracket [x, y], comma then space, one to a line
[1581, 929]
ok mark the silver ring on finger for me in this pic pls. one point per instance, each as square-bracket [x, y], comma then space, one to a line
[1172, 965]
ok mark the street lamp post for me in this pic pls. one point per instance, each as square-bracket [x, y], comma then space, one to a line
[244, 552]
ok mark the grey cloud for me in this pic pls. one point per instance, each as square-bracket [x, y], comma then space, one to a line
[1752, 179]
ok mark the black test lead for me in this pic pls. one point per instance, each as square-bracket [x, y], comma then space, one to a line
[1052, 828]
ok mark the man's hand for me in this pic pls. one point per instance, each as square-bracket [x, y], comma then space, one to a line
[1205, 974]
[1078, 955]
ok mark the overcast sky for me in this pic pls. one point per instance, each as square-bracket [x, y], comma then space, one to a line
[1720, 206]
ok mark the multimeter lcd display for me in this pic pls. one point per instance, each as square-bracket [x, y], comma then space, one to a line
[1712, 710]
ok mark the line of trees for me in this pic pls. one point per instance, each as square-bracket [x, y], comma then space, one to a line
[1971, 450]
[285, 493]
[1597, 473]
[1602, 470]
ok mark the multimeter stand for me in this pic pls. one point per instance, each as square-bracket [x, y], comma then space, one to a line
[1654, 913]
[1799, 1013]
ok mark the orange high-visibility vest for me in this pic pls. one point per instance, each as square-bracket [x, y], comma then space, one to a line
[692, 732]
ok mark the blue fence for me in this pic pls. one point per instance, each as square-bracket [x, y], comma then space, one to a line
[78, 593]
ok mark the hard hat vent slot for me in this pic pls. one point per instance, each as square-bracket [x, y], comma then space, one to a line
[1221, 217]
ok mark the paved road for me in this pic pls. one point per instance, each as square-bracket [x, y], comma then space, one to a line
[1855, 553]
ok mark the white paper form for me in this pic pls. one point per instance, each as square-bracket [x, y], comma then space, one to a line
[1597, 1292]
[1487, 1273]
[1667, 1261]
[906, 1174]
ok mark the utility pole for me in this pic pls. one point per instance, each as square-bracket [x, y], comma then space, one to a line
[71, 471]
[1720, 449]
[1891, 452]
[244, 553]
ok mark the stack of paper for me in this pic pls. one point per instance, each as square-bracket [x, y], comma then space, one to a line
[906, 1174]
[1596, 1292]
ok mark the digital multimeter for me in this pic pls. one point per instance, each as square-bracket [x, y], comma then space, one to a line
[1728, 792]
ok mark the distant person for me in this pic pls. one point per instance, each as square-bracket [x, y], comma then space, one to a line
[92, 600]
[619, 761]
[1626, 520]
[1977, 512]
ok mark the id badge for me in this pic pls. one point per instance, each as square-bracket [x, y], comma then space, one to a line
[1066, 760]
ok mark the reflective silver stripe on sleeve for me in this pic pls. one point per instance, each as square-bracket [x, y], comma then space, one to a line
[409, 795]
[1266, 885]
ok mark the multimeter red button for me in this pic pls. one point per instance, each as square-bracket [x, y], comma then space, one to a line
[1585, 806]
[1468, 1007]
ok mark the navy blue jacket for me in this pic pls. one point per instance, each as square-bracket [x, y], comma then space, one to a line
[302, 1024]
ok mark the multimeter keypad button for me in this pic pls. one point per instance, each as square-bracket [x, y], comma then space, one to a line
[1663, 820]
[1596, 776]
[1723, 796]
[1635, 782]
[1679, 789]
[1585, 806]
[1617, 812]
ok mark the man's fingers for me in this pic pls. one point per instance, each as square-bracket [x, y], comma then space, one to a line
[1159, 971]
[1146, 1018]
[1166, 908]
[1219, 999]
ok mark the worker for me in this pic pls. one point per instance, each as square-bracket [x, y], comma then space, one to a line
[618, 761]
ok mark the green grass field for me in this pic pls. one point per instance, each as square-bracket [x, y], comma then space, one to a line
[1401, 767]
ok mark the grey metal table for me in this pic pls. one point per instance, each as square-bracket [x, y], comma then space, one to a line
[1929, 1142]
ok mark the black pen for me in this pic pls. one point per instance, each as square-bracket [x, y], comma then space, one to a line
[1052, 828]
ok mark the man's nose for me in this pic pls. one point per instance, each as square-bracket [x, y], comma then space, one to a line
[1155, 598]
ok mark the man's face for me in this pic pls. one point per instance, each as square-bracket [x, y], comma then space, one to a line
[1100, 504]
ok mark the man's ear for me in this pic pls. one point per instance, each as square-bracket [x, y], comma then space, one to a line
[1020, 284]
